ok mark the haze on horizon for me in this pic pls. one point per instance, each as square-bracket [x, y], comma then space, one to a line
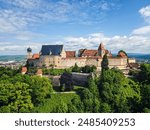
[120, 25]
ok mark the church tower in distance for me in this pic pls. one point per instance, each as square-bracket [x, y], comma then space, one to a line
[101, 50]
[29, 53]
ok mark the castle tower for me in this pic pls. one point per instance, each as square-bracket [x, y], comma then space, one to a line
[29, 53]
[101, 50]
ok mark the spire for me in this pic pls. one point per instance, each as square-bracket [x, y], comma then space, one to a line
[101, 46]
[29, 49]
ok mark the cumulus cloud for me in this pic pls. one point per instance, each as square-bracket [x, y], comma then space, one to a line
[131, 44]
[142, 31]
[145, 12]
[28, 4]
[21, 14]
[14, 48]
[29, 36]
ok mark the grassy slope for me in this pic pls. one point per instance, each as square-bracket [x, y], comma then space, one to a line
[54, 101]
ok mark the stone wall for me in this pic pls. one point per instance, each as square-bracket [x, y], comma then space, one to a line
[119, 63]
[131, 60]
[80, 79]
[59, 62]
[50, 61]
[69, 62]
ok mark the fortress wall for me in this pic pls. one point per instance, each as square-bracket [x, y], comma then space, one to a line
[80, 79]
[113, 62]
[91, 62]
[131, 60]
[59, 62]
[68, 62]
[50, 60]
[120, 63]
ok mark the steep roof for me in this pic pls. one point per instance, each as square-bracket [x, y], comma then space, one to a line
[36, 56]
[70, 54]
[122, 54]
[29, 49]
[51, 49]
[134, 65]
[101, 47]
[89, 53]
[24, 69]
[39, 71]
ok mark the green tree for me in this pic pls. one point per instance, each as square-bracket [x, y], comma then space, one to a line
[93, 87]
[15, 98]
[105, 108]
[94, 90]
[66, 82]
[76, 105]
[118, 91]
[21, 98]
[144, 75]
[41, 88]
[76, 68]
[104, 64]
[145, 92]
[61, 107]
[87, 99]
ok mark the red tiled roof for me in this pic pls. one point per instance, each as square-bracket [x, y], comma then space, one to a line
[122, 54]
[35, 56]
[89, 53]
[24, 69]
[70, 54]
[134, 65]
[109, 53]
[39, 71]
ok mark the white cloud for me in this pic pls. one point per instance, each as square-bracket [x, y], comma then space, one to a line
[11, 21]
[22, 14]
[131, 44]
[28, 36]
[142, 31]
[145, 12]
[25, 3]
[12, 48]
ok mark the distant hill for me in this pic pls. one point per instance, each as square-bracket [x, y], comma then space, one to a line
[12, 58]
[22, 58]
[139, 56]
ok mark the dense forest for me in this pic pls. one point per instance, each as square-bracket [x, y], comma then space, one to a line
[109, 92]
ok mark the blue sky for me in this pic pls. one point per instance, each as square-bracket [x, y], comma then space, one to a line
[119, 24]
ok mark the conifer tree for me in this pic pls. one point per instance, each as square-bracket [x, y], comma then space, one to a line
[105, 63]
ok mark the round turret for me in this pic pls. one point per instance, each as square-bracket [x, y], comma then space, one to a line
[29, 49]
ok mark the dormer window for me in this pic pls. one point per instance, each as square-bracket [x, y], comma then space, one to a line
[50, 53]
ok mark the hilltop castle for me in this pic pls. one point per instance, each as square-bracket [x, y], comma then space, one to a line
[55, 56]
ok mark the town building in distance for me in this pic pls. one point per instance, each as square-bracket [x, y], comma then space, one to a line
[55, 56]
